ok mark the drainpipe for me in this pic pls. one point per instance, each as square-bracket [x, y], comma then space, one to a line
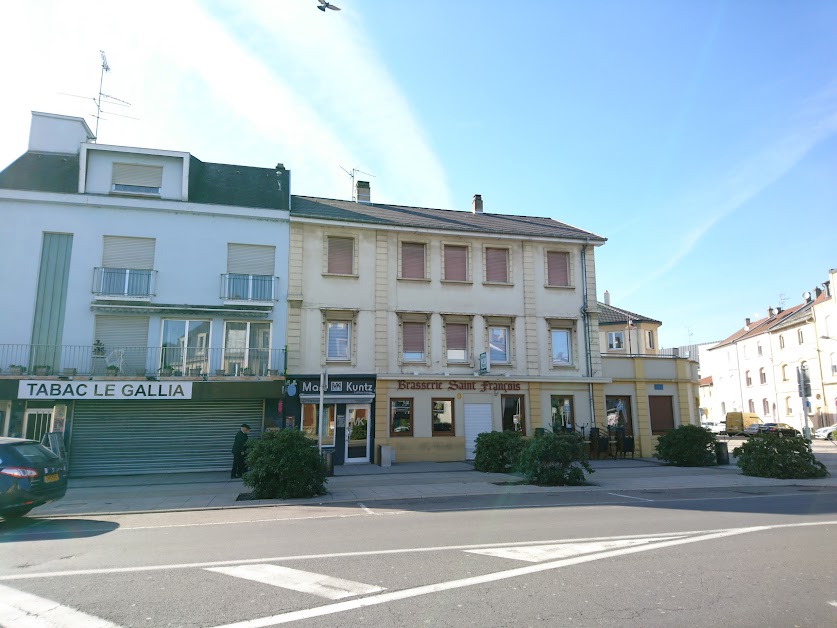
[587, 340]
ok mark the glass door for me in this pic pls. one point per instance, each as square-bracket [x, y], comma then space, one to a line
[357, 434]
[36, 424]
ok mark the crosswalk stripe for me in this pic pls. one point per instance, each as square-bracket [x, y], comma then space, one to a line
[24, 610]
[540, 553]
[302, 581]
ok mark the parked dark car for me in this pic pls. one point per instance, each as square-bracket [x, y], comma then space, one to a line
[782, 429]
[30, 475]
[752, 429]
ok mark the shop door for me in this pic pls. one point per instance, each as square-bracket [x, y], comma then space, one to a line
[477, 421]
[357, 434]
[619, 413]
[36, 424]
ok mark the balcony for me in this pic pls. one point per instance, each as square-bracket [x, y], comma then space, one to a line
[249, 289]
[126, 362]
[124, 283]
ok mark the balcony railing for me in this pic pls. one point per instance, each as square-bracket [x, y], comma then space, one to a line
[124, 361]
[249, 288]
[124, 283]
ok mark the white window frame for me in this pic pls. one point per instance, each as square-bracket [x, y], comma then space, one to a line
[611, 340]
[426, 272]
[355, 245]
[247, 348]
[414, 318]
[454, 320]
[468, 264]
[650, 338]
[508, 331]
[509, 266]
[553, 329]
[346, 343]
[569, 255]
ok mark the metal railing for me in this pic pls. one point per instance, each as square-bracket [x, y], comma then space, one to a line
[250, 288]
[124, 361]
[126, 283]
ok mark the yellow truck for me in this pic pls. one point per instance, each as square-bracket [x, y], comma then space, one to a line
[737, 422]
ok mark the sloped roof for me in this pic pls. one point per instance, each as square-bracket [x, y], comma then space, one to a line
[42, 172]
[705, 381]
[609, 315]
[441, 219]
[763, 325]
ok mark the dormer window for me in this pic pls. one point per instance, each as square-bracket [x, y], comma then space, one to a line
[137, 179]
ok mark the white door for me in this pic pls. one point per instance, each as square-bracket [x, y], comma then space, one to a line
[357, 434]
[477, 421]
[36, 424]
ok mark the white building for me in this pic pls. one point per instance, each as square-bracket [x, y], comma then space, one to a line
[146, 305]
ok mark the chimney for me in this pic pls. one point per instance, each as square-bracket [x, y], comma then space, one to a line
[476, 204]
[52, 133]
[779, 310]
[746, 322]
[607, 297]
[363, 194]
[770, 312]
[817, 292]
[827, 286]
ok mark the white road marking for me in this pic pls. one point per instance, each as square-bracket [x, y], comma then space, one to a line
[24, 610]
[833, 602]
[393, 596]
[541, 553]
[302, 581]
[642, 499]
[367, 510]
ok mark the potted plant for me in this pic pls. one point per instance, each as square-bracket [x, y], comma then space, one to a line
[247, 371]
[220, 372]
[16, 369]
[69, 372]
[194, 372]
[166, 370]
[98, 349]
[113, 370]
[42, 369]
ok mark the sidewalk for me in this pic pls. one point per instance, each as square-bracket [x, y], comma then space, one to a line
[368, 483]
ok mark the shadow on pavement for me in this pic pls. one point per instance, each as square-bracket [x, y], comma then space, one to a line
[32, 529]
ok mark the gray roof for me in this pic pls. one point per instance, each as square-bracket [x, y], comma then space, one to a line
[214, 184]
[609, 315]
[442, 219]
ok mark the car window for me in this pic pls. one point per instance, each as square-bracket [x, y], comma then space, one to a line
[36, 454]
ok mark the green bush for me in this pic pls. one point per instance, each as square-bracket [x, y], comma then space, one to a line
[283, 465]
[772, 456]
[497, 452]
[687, 446]
[555, 460]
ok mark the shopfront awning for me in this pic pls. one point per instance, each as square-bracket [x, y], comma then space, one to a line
[337, 398]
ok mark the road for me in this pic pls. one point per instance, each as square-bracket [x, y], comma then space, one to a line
[713, 557]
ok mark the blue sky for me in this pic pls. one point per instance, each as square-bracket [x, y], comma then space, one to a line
[699, 137]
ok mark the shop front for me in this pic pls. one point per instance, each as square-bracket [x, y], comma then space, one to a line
[347, 422]
[123, 427]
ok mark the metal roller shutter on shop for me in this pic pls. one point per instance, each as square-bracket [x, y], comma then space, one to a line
[133, 437]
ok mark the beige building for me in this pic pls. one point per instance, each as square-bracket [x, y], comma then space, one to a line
[435, 326]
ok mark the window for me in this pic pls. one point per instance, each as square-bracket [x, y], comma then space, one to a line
[751, 405]
[748, 378]
[456, 262]
[496, 265]
[413, 260]
[184, 347]
[563, 414]
[250, 270]
[745, 351]
[799, 336]
[136, 179]
[127, 267]
[723, 409]
[247, 348]
[401, 417]
[788, 410]
[498, 345]
[762, 376]
[765, 406]
[661, 411]
[514, 418]
[759, 349]
[557, 268]
[650, 339]
[781, 341]
[784, 372]
[456, 342]
[413, 341]
[311, 418]
[561, 347]
[338, 340]
[834, 363]
[443, 417]
[341, 256]
[615, 340]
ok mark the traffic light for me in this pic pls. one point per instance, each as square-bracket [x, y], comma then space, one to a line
[803, 381]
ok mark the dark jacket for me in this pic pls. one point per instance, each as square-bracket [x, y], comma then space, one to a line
[240, 442]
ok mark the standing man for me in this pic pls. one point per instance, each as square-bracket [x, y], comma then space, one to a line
[238, 448]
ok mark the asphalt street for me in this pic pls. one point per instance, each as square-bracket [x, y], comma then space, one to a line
[714, 557]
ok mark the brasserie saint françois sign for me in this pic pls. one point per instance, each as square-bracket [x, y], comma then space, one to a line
[39, 389]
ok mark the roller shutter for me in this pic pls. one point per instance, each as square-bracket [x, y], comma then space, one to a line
[134, 437]
[251, 259]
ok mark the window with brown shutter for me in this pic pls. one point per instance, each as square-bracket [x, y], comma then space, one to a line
[341, 256]
[412, 260]
[558, 268]
[456, 263]
[497, 265]
[413, 341]
[456, 338]
[661, 410]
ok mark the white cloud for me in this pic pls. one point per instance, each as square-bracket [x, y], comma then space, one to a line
[256, 84]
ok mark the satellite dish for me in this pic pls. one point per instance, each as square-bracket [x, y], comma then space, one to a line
[806, 296]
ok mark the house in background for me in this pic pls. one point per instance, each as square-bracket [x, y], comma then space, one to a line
[147, 308]
[626, 333]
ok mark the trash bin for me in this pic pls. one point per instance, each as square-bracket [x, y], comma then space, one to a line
[721, 453]
[328, 461]
[385, 455]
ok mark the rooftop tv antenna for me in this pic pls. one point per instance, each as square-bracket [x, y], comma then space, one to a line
[110, 100]
[353, 174]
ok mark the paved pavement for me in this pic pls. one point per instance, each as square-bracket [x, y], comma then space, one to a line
[368, 483]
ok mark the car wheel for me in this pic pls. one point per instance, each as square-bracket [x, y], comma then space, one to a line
[15, 513]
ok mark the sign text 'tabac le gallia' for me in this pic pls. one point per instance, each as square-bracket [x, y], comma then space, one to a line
[103, 390]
